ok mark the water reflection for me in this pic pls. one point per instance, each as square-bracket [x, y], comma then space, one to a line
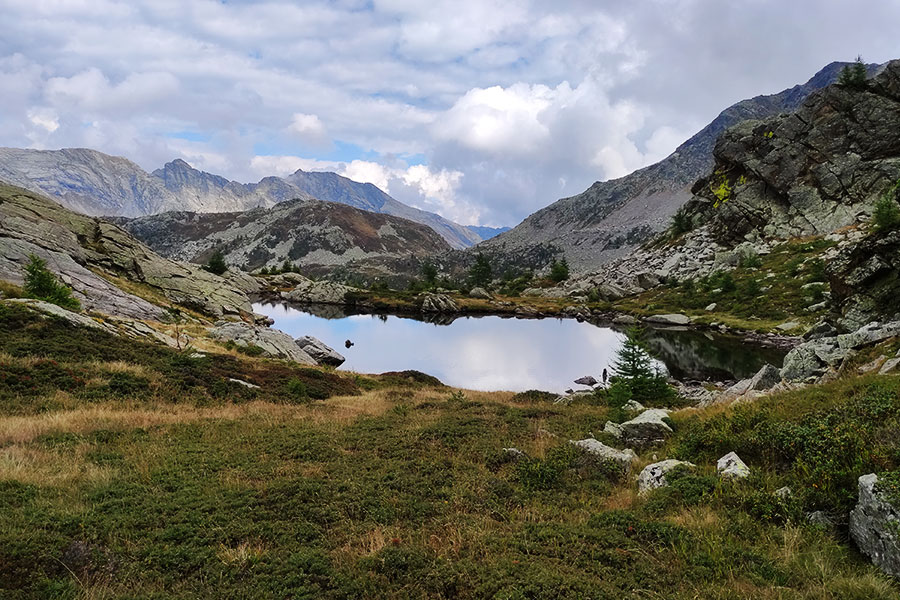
[494, 353]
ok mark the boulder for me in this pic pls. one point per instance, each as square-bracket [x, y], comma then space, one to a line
[587, 380]
[438, 303]
[624, 320]
[647, 428]
[73, 318]
[812, 359]
[765, 379]
[670, 319]
[871, 333]
[514, 454]
[822, 329]
[613, 429]
[537, 292]
[711, 307]
[609, 292]
[654, 476]
[601, 453]
[480, 293]
[274, 343]
[784, 493]
[731, 466]
[324, 355]
[875, 526]
[634, 406]
[889, 366]
[788, 326]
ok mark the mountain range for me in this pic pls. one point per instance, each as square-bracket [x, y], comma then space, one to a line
[97, 184]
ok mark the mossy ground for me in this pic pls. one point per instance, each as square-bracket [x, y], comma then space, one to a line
[126, 472]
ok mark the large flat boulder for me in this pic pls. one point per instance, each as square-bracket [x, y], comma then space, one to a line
[670, 319]
[601, 453]
[647, 428]
[875, 525]
[323, 354]
[273, 343]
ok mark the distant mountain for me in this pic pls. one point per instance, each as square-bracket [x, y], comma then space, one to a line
[320, 237]
[97, 184]
[486, 233]
[613, 217]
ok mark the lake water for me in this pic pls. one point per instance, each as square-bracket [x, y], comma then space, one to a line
[496, 353]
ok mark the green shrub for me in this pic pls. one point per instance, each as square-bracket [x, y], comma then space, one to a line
[886, 216]
[686, 487]
[41, 284]
[854, 75]
[481, 273]
[750, 259]
[535, 474]
[430, 273]
[296, 389]
[681, 223]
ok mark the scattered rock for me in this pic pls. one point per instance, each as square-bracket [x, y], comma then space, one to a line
[654, 476]
[624, 320]
[264, 320]
[324, 355]
[587, 380]
[514, 454]
[670, 319]
[874, 526]
[480, 293]
[820, 518]
[634, 406]
[273, 343]
[889, 366]
[438, 303]
[731, 466]
[647, 428]
[822, 329]
[600, 452]
[613, 429]
[789, 326]
[784, 493]
[711, 307]
[869, 334]
[873, 365]
[246, 384]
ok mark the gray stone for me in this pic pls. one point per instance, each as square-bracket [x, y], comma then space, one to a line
[69, 316]
[480, 293]
[647, 428]
[323, 354]
[587, 380]
[766, 378]
[711, 307]
[246, 384]
[889, 366]
[731, 466]
[654, 476]
[784, 493]
[873, 365]
[613, 429]
[789, 326]
[624, 320]
[319, 292]
[822, 329]
[634, 406]
[514, 454]
[869, 334]
[819, 518]
[875, 526]
[274, 343]
[600, 452]
[438, 303]
[669, 319]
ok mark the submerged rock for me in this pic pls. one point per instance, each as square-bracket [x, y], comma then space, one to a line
[875, 526]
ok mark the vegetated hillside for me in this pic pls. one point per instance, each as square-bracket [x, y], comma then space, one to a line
[134, 470]
[97, 184]
[318, 236]
[109, 270]
[613, 217]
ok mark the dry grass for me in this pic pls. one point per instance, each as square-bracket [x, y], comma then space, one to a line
[241, 555]
[43, 467]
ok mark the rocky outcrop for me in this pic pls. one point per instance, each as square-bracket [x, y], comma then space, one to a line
[320, 237]
[480, 293]
[814, 358]
[598, 452]
[612, 218]
[654, 476]
[93, 256]
[308, 291]
[438, 303]
[865, 280]
[875, 525]
[271, 342]
[321, 353]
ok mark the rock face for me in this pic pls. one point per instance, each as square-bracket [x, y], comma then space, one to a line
[438, 303]
[612, 218]
[654, 476]
[865, 280]
[94, 183]
[875, 526]
[322, 354]
[274, 343]
[596, 451]
[647, 428]
[90, 255]
[317, 236]
[814, 358]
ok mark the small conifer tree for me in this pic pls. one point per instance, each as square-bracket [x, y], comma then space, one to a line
[216, 263]
[854, 76]
[559, 271]
[41, 284]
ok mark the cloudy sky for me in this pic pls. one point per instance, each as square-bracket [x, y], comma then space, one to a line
[481, 110]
